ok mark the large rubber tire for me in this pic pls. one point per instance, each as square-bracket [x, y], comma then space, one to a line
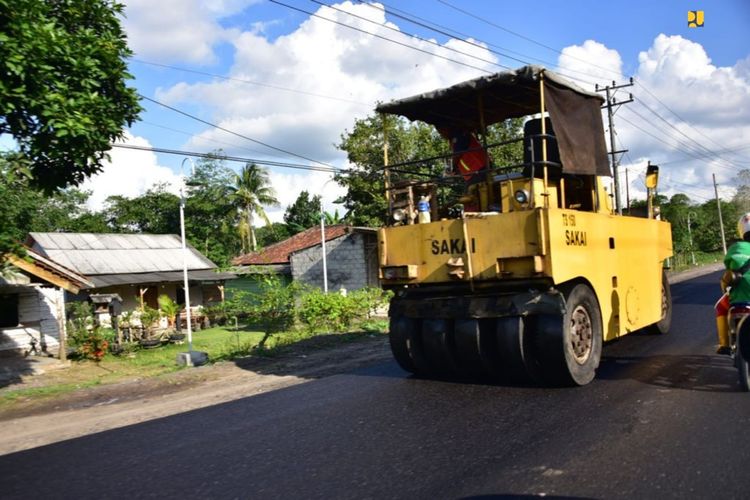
[517, 357]
[468, 341]
[569, 352]
[741, 358]
[662, 326]
[438, 346]
[744, 371]
[398, 337]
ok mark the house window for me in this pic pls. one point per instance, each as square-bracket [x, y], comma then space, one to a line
[8, 309]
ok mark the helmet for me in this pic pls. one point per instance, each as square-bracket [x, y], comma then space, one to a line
[743, 225]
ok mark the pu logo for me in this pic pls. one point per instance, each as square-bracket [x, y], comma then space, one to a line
[695, 19]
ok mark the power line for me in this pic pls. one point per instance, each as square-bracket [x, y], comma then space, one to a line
[231, 131]
[204, 139]
[687, 148]
[457, 35]
[444, 2]
[312, 14]
[675, 114]
[251, 82]
[374, 6]
[228, 158]
[495, 25]
[728, 150]
[693, 141]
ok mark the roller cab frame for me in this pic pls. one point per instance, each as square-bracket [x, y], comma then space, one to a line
[529, 270]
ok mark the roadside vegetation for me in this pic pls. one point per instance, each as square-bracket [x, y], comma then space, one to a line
[276, 319]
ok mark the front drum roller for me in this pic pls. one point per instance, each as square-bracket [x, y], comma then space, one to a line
[569, 351]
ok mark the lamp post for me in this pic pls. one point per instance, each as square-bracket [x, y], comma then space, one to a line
[323, 237]
[190, 358]
[184, 255]
[323, 248]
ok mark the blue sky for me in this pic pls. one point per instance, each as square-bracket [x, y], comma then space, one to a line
[702, 74]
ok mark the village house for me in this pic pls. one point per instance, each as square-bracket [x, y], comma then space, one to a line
[351, 258]
[137, 267]
[32, 304]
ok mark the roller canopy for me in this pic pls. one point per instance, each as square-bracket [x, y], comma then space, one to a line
[575, 113]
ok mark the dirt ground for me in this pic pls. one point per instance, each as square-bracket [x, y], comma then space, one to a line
[37, 422]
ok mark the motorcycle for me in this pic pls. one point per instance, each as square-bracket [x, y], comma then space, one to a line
[739, 341]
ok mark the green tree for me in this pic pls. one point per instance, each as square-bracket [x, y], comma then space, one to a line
[63, 92]
[26, 208]
[741, 197]
[365, 198]
[210, 216]
[156, 212]
[334, 218]
[304, 213]
[252, 189]
[273, 233]
[273, 307]
[707, 231]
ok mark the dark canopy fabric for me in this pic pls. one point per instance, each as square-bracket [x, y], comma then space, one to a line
[578, 129]
[575, 113]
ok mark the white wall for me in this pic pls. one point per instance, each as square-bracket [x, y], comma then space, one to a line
[41, 314]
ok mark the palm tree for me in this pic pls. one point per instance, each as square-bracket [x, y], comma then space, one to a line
[333, 218]
[252, 189]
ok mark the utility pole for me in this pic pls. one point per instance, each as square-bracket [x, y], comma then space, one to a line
[721, 222]
[611, 103]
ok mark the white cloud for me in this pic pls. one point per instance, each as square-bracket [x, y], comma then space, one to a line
[713, 105]
[590, 62]
[289, 185]
[129, 173]
[353, 69]
[178, 30]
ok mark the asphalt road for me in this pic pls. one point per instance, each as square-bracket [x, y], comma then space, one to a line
[664, 418]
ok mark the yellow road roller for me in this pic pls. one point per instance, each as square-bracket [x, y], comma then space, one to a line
[529, 268]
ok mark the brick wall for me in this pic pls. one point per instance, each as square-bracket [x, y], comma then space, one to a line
[348, 259]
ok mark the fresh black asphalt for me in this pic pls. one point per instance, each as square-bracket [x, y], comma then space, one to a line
[664, 418]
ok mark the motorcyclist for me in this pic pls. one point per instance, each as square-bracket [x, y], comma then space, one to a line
[735, 283]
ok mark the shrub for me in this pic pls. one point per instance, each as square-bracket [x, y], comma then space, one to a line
[80, 317]
[169, 308]
[337, 312]
[149, 316]
[274, 307]
[94, 345]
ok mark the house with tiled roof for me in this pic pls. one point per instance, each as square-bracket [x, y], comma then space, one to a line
[351, 257]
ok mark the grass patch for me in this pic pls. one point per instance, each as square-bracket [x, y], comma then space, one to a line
[221, 343]
[684, 260]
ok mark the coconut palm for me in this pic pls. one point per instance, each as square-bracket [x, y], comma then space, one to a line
[252, 189]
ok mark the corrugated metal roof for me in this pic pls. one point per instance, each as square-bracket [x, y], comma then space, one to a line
[201, 275]
[93, 254]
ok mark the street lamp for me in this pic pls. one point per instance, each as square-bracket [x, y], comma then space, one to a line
[323, 243]
[323, 236]
[190, 358]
